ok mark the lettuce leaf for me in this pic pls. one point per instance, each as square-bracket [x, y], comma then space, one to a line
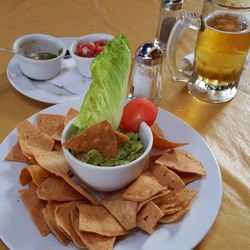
[108, 90]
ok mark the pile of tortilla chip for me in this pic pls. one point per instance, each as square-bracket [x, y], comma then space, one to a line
[58, 204]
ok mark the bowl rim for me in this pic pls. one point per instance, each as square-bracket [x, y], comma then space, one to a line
[95, 36]
[146, 152]
[53, 39]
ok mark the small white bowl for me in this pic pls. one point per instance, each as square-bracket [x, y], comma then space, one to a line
[107, 179]
[83, 63]
[38, 43]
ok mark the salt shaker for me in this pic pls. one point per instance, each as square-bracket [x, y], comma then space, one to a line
[170, 12]
[146, 78]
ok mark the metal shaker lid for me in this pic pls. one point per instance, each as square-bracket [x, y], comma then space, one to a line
[149, 54]
[173, 4]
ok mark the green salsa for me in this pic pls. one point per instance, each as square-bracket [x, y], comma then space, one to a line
[127, 152]
[42, 56]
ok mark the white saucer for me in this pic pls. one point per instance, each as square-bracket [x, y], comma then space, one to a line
[74, 85]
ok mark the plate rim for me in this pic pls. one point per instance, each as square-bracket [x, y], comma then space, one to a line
[77, 102]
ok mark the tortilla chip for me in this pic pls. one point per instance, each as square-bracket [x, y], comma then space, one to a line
[187, 177]
[25, 148]
[162, 143]
[122, 209]
[35, 207]
[17, 155]
[52, 161]
[33, 173]
[171, 210]
[170, 218]
[167, 178]
[152, 198]
[30, 135]
[148, 217]
[55, 188]
[63, 220]
[25, 176]
[80, 189]
[145, 186]
[181, 161]
[156, 153]
[157, 130]
[51, 124]
[55, 163]
[120, 137]
[178, 201]
[49, 217]
[100, 136]
[97, 219]
[163, 199]
[70, 115]
[92, 241]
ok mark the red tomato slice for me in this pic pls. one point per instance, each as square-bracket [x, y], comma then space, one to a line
[137, 111]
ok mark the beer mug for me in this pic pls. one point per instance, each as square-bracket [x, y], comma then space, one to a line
[220, 52]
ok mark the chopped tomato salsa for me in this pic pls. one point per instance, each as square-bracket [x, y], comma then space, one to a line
[91, 49]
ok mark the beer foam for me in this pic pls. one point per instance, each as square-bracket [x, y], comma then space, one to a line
[228, 22]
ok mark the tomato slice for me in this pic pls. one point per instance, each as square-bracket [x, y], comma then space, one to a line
[137, 111]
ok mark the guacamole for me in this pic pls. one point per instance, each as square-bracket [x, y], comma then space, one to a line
[127, 152]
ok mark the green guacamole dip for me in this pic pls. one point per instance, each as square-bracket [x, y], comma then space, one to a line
[127, 152]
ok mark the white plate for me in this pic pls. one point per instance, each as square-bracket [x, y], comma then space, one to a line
[45, 91]
[19, 233]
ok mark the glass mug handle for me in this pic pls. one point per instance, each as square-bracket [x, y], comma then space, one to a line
[187, 20]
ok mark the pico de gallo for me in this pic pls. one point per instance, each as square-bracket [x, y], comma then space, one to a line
[91, 49]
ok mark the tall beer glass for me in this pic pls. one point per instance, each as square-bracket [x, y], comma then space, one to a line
[221, 49]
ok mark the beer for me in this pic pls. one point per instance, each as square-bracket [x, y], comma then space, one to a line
[221, 49]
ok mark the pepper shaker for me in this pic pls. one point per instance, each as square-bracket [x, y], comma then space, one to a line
[146, 78]
[170, 12]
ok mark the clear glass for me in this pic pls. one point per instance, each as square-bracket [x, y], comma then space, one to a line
[167, 20]
[146, 82]
[220, 53]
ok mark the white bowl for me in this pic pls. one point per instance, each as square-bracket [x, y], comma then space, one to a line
[110, 178]
[83, 63]
[37, 43]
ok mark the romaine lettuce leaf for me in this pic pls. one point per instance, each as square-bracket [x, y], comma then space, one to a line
[107, 92]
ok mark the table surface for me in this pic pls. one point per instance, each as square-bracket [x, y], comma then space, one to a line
[225, 127]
